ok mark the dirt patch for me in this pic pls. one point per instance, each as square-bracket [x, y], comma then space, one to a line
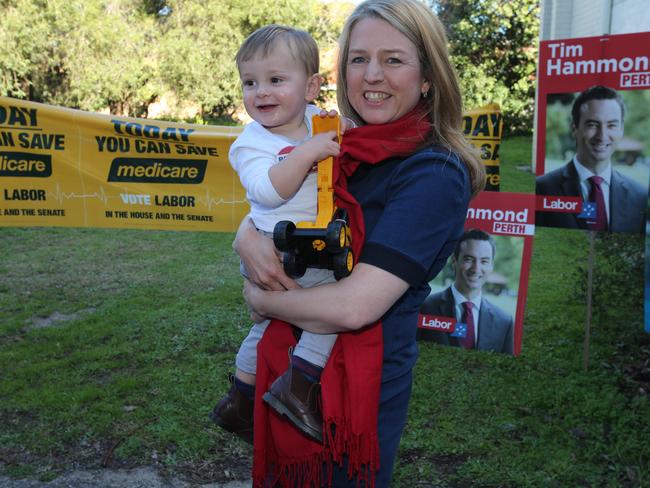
[142, 477]
[445, 465]
[56, 319]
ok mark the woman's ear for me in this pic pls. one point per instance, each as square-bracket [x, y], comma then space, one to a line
[313, 87]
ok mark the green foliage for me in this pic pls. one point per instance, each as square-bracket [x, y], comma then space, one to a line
[618, 277]
[28, 60]
[200, 41]
[79, 53]
[92, 54]
[494, 45]
[109, 63]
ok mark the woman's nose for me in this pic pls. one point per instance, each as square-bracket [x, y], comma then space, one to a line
[374, 72]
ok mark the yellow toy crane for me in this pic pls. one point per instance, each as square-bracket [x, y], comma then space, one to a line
[324, 243]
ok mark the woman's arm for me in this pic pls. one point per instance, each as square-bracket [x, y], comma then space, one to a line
[349, 304]
[261, 258]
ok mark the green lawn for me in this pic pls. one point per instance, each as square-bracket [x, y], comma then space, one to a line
[114, 344]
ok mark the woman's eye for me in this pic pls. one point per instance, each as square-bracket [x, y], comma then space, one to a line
[393, 61]
[357, 59]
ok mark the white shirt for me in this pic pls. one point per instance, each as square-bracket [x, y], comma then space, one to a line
[585, 185]
[252, 155]
[459, 298]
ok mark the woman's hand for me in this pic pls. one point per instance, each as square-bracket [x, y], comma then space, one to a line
[251, 295]
[261, 259]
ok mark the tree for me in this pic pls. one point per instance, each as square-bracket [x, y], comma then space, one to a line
[124, 54]
[200, 39]
[87, 54]
[494, 46]
[111, 56]
[28, 59]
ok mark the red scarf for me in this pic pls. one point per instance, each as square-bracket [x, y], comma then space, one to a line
[351, 379]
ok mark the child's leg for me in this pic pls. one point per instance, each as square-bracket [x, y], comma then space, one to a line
[315, 348]
[246, 359]
[234, 412]
[295, 394]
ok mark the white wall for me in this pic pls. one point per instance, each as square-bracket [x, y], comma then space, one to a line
[564, 19]
[630, 16]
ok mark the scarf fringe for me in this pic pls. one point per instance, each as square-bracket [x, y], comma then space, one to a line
[301, 472]
[316, 470]
[362, 451]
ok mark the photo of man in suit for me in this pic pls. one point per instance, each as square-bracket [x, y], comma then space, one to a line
[597, 125]
[488, 327]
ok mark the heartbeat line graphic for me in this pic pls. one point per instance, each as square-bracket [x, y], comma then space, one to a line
[60, 196]
[209, 201]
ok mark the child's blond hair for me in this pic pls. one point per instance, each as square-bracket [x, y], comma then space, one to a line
[262, 42]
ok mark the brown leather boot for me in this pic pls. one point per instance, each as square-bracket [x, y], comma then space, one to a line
[234, 413]
[295, 397]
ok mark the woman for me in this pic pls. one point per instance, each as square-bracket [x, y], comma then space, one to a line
[413, 174]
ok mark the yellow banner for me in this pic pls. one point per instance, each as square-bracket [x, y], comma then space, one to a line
[64, 167]
[484, 128]
[70, 168]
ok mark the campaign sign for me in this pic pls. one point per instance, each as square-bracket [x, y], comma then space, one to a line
[489, 268]
[646, 301]
[483, 127]
[593, 121]
[70, 168]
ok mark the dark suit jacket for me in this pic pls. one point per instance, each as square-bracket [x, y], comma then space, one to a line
[627, 200]
[495, 327]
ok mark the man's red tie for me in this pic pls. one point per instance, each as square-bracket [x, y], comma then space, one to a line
[468, 318]
[596, 196]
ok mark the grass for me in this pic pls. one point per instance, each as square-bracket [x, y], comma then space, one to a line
[114, 344]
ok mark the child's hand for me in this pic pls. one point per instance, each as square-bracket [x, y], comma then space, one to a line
[322, 145]
[324, 113]
[346, 123]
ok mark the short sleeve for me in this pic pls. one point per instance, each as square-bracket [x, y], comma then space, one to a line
[426, 205]
[252, 163]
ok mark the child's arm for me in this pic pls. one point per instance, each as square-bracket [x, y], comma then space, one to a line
[288, 175]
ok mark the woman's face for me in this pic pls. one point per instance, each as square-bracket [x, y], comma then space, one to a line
[384, 76]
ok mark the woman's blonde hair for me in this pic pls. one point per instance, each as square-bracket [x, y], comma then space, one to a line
[443, 101]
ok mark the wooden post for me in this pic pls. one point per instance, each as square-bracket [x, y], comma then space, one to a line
[590, 280]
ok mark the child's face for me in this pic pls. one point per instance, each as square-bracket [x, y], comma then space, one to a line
[276, 90]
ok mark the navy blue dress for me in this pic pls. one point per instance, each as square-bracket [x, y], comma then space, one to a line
[414, 209]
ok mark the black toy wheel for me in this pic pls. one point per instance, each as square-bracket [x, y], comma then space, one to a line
[293, 266]
[335, 237]
[343, 263]
[282, 235]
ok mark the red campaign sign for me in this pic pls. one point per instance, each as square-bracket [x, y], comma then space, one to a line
[508, 218]
[508, 214]
[502, 214]
[621, 62]
[436, 322]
